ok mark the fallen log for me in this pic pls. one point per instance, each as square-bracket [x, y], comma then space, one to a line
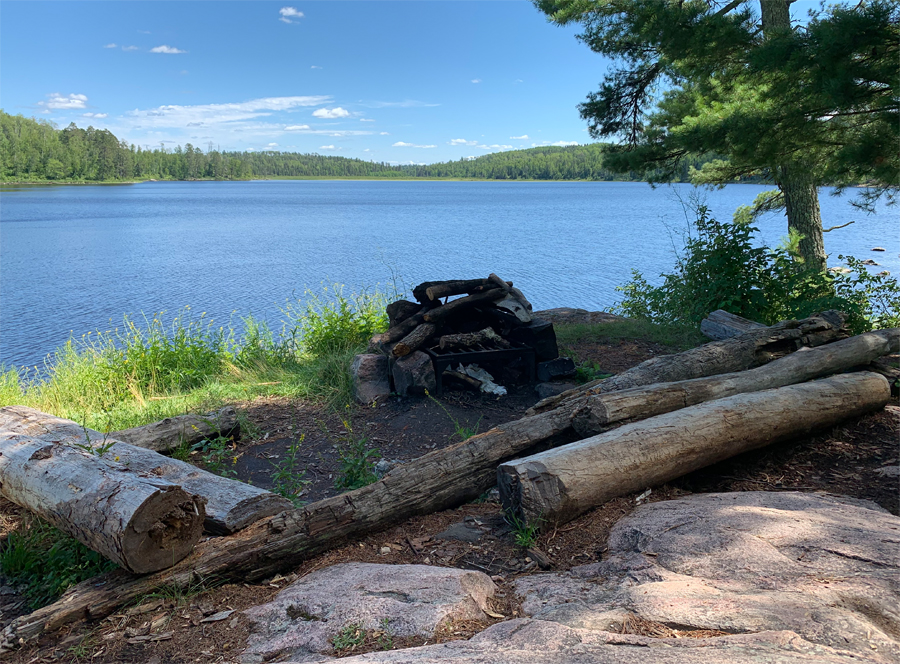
[172, 432]
[437, 481]
[553, 487]
[440, 313]
[414, 340]
[230, 505]
[723, 325]
[739, 353]
[599, 412]
[142, 523]
[449, 288]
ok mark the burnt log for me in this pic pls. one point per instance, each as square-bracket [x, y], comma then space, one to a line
[556, 486]
[414, 340]
[461, 304]
[472, 339]
[396, 333]
[400, 310]
[463, 379]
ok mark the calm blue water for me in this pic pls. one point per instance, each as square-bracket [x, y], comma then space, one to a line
[75, 259]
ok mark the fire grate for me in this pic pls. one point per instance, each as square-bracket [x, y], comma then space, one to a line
[483, 353]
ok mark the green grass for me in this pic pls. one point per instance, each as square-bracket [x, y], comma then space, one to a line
[45, 561]
[144, 372]
[676, 337]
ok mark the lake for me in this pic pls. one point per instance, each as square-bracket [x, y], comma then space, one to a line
[76, 258]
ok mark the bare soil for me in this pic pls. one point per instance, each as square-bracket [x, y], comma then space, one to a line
[850, 459]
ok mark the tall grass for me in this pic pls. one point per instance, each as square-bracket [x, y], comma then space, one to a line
[143, 372]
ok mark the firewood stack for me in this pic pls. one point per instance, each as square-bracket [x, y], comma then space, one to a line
[452, 323]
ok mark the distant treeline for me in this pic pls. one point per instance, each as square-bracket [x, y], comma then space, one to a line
[35, 150]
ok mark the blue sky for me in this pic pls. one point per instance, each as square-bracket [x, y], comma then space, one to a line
[395, 81]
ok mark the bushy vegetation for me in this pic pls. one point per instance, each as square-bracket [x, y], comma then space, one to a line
[143, 372]
[721, 268]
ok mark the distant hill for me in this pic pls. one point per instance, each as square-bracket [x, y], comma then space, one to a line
[35, 150]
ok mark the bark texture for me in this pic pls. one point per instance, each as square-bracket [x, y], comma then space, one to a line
[556, 486]
[746, 351]
[170, 433]
[724, 325]
[230, 505]
[141, 522]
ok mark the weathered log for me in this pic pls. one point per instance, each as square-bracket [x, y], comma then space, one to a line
[439, 480]
[400, 310]
[396, 333]
[439, 314]
[140, 522]
[721, 324]
[230, 505]
[414, 340]
[472, 339]
[514, 302]
[172, 432]
[599, 412]
[553, 487]
[745, 351]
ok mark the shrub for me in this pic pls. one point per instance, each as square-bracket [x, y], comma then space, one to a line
[720, 268]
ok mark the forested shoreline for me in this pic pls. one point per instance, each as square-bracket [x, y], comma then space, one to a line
[36, 151]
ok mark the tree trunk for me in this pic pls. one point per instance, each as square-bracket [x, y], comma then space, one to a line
[172, 432]
[748, 350]
[556, 486]
[794, 178]
[230, 505]
[801, 199]
[140, 522]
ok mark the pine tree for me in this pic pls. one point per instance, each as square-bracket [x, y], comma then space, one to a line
[801, 106]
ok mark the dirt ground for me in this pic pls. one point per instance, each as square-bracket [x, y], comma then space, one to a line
[178, 626]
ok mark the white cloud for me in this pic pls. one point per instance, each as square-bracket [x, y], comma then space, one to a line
[169, 50]
[366, 120]
[315, 67]
[367, 150]
[462, 141]
[494, 147]
[272, 145]
[476, 80]
[58, 102]
[331, 113]
[383, 133]
[111, 46]
[217, 114]
[518, 80]
[130, 48]
[289, 14]
[523, 137]
[296, 127]
[94, 115]
[401, 144]
[327, 147]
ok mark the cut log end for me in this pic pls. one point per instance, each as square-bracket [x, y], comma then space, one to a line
[163, 531]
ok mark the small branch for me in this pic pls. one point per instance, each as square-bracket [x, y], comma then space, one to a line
[834, 228]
